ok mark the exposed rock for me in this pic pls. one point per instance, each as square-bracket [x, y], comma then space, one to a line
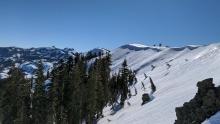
[145, 98]
[205, 104]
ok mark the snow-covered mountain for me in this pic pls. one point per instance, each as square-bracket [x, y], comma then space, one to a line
[175, 72]
[26, 59]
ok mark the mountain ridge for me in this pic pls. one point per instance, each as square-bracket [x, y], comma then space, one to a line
[174, 70]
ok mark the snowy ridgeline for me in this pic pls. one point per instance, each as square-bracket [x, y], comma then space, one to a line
[175, 72]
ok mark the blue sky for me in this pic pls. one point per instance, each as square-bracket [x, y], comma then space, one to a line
[85, 24]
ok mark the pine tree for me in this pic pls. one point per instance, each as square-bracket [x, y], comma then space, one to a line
[101, 86]
[15, 104]
[40, 100]
[56, 94]
[78, 93]
[75, 112]
[97, 84]
[113, 87]
[102, 77]
[123, 84]
[92, 95]
[153, 87]
[68, 85]
[105, 73]
[3, 84]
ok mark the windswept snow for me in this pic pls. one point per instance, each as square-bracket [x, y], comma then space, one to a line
[138, 45]
[176, 73]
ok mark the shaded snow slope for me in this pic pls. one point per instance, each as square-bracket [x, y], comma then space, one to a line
[175, 72]
[97, 51]
[215, 119]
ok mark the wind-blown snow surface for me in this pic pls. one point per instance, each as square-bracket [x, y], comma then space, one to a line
[176, 73]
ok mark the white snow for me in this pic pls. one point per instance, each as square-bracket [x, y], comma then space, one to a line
[4, 73]
[215, 119]
[29, 68]
[138, 45]
[18, 55]
[47, 67]
[175, 84]
[96, 51]
[176, 73]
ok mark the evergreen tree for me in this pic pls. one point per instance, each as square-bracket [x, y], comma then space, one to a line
[105, 75]
[75, 112]
[68, 84]
[123, 83]
[98, 83]
[113, 89]
[40, 100]
[153, 87]
[101, 85]
[92, 95]
[3, 83]
[15, 103]
[57, 94]
[79, 94]
[103, 79]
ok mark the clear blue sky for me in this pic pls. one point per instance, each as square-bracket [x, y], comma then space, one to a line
[85, 24]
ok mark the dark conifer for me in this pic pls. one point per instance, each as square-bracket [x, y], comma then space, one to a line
[57, 95]
[153, 87]
[40, 100]
[15, 104]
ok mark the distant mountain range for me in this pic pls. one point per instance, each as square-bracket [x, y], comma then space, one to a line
[26, 59]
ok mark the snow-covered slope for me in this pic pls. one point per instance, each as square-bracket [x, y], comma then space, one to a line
[98, 51]
[215, 119]
[175, 72]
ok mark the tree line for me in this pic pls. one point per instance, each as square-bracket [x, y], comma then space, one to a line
[77, 94]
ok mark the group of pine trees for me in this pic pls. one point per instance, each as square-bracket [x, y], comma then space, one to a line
[77, 94]
[121, 84]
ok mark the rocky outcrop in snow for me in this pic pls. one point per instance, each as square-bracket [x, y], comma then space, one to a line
[205, 104]
[176, 73]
